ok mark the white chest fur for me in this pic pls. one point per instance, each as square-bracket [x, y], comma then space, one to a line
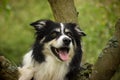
[50, 70]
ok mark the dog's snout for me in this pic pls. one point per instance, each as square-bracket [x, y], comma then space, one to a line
[66, 41]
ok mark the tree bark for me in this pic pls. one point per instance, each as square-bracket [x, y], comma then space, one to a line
[64, 10]
[109, 60]
[8, 71]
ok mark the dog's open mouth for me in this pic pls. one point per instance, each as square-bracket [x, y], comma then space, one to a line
[61, 53]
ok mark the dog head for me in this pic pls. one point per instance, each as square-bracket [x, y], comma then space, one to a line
[59, 40]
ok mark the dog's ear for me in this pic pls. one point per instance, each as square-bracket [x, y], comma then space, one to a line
[40, 24]
[77, 29]
[80, 32]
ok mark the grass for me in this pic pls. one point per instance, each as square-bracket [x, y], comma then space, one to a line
[16, 35]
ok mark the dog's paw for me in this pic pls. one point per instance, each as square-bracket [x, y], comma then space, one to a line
[26, 73]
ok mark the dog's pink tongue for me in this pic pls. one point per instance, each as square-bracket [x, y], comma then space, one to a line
[63, 55]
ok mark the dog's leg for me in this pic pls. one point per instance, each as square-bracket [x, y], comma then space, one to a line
[27, 71]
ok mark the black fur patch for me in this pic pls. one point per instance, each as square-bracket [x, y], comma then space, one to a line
[40, 33]
[37, 52]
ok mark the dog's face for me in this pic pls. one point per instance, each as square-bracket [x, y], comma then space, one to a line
[58, 39]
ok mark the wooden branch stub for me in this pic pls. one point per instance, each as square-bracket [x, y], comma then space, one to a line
[8, 71]
[85, 72]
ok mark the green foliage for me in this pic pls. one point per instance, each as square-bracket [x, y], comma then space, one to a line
[98, 23]
[17, 36]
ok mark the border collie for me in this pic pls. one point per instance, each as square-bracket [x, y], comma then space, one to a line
[56, 53]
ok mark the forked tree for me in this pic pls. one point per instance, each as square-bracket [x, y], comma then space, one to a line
[107, 63]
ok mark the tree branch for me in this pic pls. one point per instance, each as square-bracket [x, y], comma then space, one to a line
[109, 59]
[8, 71]
[64, 10]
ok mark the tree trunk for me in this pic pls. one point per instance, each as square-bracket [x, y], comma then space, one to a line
[109, 60]
[64, 10]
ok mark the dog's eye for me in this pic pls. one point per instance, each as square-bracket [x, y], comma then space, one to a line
[69, 33]
[54, 34]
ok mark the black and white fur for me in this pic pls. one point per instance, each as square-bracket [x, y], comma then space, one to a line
[56, 53]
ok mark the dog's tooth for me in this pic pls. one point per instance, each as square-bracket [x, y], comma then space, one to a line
[56, 51]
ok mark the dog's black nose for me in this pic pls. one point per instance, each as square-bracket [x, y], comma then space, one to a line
[66, 41]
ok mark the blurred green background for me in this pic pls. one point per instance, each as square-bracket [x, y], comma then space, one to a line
[96, 17]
